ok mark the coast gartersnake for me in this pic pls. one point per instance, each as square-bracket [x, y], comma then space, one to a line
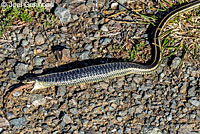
[104, 71]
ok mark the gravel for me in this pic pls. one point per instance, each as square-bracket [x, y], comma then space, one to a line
[194, 102]
[73, 110]
[39, 39]
[38, 61]
[104, 28]
[63, 14]
[26, 30]
[67, 119]
[21, 69]
[84, 55]
[18, 122]
[192, 91]
[175, 63]
[105, 41]
[24, 43]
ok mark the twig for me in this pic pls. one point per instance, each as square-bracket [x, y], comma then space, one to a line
[27, 86]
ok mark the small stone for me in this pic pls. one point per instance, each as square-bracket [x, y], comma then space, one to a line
[39, 39]
[21, 69]
[1, 58]
[3, 122]
[13, 34]
[114, 105]
[85, 55]
[11, 62]
[18, 122]
[74, 110]
[20, 51]
[17, 93]
[66, 55]
[120, 82]
[186, 129]
[37, 99]
[123, 1]
[11, 115]
[94, 27]
[104, 85]
[39, 102]
[20, 37]
[114, 130]
[192, 91]
[52, 37]
[61, 90]
[139, 109]
[123, 113]
[114, 5]
[183, 89]
[176, 62]
[153, 131]
[119, 119]
[162, 75]
[38, 61]
[104, 28]
[169, 118]
[75, 17]
[24, 43]
[137, 79]
[12, 76]
[63, 14]
[44, 126]
[25, 30]
[105, 41]
[192, 116]
[67, 119]
[110, 108]
[64, 29]
[136, 96]
[194, 102]
[88, 47]
[85, 122]
[37, 51]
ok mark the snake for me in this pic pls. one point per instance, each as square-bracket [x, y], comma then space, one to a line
[95, 73]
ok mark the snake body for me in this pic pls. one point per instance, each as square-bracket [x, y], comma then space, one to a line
[110, 70]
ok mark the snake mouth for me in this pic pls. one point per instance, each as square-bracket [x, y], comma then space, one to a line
[28, 80]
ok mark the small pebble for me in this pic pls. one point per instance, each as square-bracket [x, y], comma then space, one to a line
[85, 55]
[175, 63]
[21, 69]
[63, 14]
[38, 61]
[194, 102]
[105, 41]
[39, 39]
[24, 43]
[67, 119]
[104, 28]
[18, 122]
[192, 91]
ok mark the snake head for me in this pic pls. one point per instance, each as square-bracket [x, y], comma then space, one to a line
[29, 80]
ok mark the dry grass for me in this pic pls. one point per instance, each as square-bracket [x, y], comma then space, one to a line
[183, 34]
